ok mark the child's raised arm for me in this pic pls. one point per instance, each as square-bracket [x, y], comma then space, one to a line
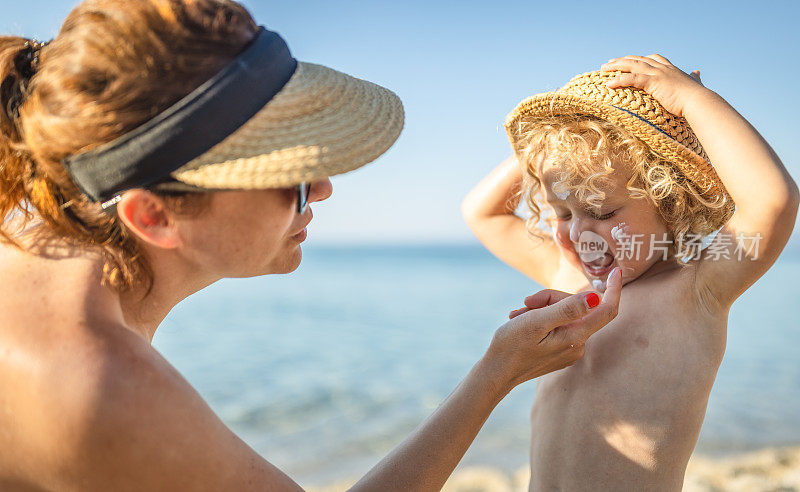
[766, 199]
[766, 196]
[487, 212]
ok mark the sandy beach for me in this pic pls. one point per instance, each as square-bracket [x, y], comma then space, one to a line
[770, 469]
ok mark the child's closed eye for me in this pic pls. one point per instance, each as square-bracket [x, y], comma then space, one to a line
[590, 214]
[604, 217]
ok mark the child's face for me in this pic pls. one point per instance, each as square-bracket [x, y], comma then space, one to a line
[620, 233]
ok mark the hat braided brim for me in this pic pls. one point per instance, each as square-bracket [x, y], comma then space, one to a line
[642, 115]
[322, 123]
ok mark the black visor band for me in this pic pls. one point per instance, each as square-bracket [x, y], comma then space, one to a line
[190, 127]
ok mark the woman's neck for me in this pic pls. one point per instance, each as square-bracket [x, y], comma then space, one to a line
[71, 277]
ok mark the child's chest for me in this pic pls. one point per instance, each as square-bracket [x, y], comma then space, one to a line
[658, 356]
[640, 391]
[661, 325]
[657, 350]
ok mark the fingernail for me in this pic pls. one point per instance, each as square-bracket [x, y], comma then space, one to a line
[592, 300]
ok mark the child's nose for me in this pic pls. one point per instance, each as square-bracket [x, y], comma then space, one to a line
[574, 231]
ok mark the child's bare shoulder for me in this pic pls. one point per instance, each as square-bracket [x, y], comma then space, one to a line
[666, 311]
[670, 303]
[670, 288]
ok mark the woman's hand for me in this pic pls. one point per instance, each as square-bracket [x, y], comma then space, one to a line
[549, 336]
[549, 333]
[654, 74]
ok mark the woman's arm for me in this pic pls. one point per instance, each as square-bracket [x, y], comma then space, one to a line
[426, 458]
[486, 211]
[124, 419]
[530, 345]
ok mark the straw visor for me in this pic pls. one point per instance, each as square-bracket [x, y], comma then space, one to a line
[264, 121]
[323, 122]
[638, 112]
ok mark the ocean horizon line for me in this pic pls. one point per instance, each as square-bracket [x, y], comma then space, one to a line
[792, 249]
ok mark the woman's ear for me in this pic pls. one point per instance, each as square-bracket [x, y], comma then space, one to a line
[147, 216]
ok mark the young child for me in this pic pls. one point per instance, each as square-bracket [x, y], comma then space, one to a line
[620, 159]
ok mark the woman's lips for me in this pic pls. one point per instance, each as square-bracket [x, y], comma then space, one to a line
[300, 236]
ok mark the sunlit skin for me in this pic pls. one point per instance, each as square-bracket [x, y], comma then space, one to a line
[242, 233]
[572, 217]
[627, 416]
[255, 232]
[261, 240]
[90, 403]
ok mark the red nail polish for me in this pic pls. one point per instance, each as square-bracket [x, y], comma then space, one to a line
[592, 299]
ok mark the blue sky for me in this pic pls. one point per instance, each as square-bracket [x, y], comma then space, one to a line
[461, 66]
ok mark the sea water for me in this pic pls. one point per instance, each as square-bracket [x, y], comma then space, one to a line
[325, 370]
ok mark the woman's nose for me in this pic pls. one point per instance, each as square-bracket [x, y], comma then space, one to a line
[320, 190]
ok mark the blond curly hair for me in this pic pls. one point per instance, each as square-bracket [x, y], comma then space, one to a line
[584, 149]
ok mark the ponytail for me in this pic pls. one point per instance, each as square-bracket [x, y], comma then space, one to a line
[114, 65]
[19, 59]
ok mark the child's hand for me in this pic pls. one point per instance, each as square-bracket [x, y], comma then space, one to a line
[654, 74]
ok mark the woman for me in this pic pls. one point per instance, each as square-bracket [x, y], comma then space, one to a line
[151, 149]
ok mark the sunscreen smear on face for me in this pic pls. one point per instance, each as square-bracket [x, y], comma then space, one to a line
[620, 231]
[562, 195]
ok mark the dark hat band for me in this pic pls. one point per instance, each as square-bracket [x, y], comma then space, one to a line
[190, 127]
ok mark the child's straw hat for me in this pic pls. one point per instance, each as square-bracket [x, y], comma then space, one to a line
[641, 114]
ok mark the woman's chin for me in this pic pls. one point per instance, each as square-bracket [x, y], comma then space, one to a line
[294, 260]
[288, 262]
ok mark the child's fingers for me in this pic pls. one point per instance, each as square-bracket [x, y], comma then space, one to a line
[659, 58]
[639, 62]
[626, 79]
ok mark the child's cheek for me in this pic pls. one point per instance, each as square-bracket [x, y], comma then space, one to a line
[620, 236]
[562, 236]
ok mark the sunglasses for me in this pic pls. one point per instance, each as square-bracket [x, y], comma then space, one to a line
[302, 197]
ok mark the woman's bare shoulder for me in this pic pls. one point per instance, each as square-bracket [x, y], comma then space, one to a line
[45, 379]
[116, 412]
